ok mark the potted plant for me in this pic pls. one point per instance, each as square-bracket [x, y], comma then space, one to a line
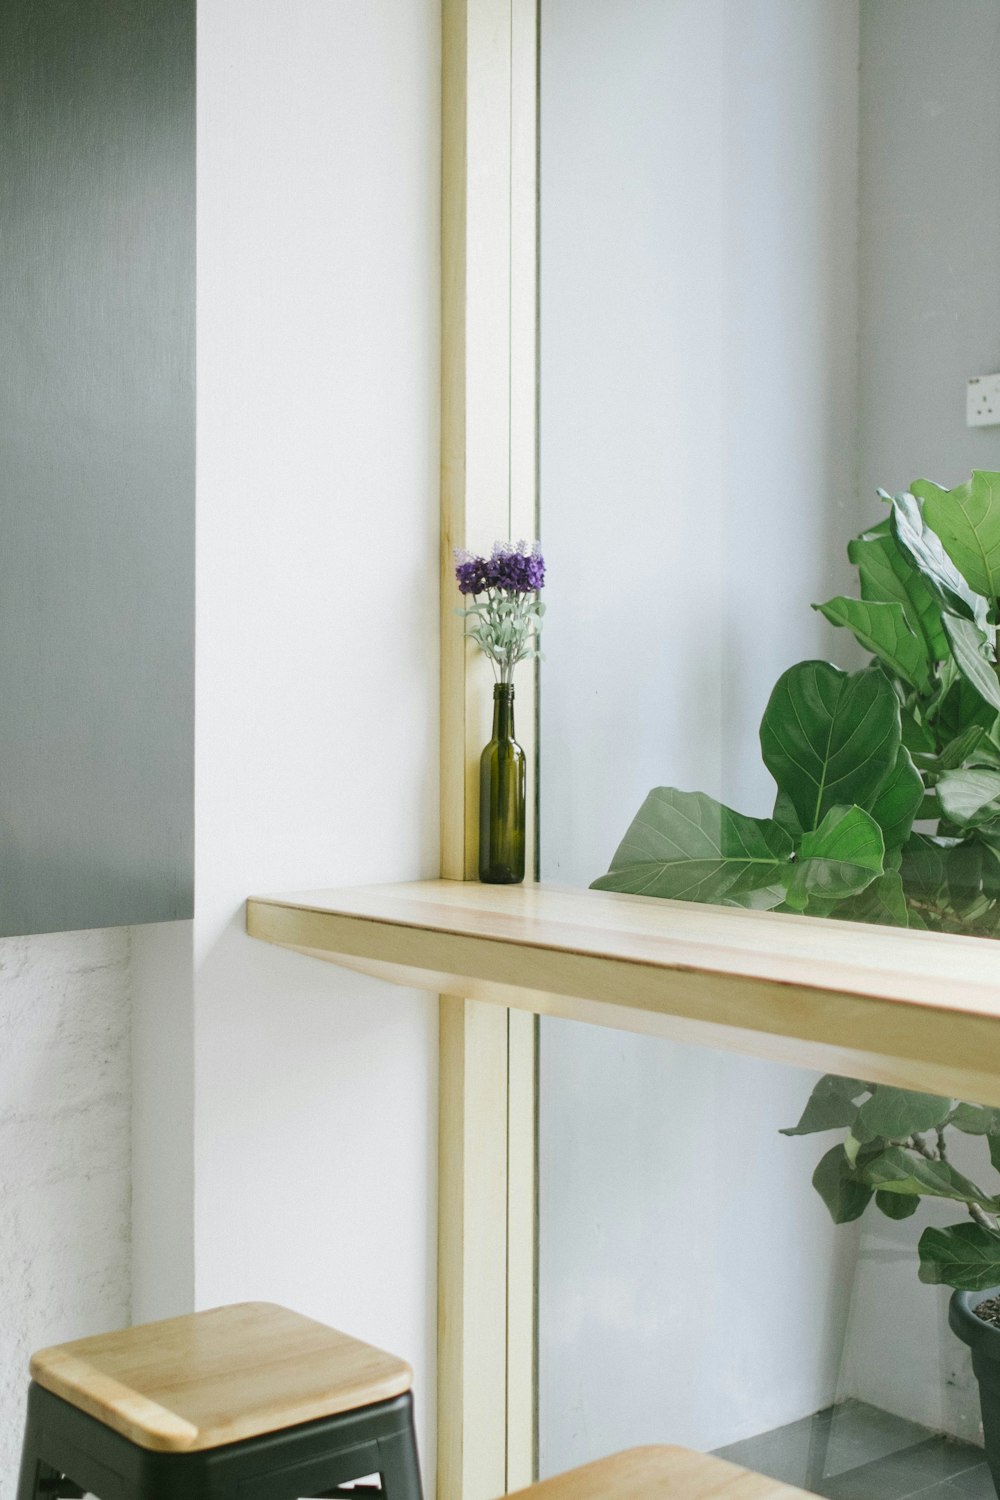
[887, 810]
[895, 1152]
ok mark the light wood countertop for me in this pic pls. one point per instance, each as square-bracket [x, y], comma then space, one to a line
[918, 1009]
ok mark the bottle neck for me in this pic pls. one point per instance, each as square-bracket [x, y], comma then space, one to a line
[503, 711]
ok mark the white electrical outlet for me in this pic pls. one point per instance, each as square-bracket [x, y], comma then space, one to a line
[982, 401]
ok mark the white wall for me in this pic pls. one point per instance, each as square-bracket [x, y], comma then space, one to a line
[64, 1153]
[316, 751]
[930, 317]
[698, 387]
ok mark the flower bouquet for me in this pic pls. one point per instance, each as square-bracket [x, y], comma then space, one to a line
[504, 620]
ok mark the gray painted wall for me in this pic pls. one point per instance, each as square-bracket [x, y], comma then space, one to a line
[96, 462]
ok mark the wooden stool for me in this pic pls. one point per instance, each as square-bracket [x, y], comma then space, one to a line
[251, 1400]
[660, 1474]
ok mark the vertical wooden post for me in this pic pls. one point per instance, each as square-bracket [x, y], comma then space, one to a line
[486, 1239]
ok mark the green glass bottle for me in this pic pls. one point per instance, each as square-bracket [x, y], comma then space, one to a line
[501, 797]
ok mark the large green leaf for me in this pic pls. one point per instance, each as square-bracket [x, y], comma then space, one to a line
[917, 737]
[961, 706]
[883, 902]
[965, 1256]
[883, 630]
[967, 519]
[837, 859]
[969, 796]
[964, 869]
[960, 750]
[757, 898]
[688, 847]
[888, 576]
[923, 867]
[896, 1205]
[898, 800]
[840, 1187]
[896, 1114]
[830, 738]
[970, 646]
[951, 881]
[923, 547]
[975, 1119]
[901, 1171]
[784, 814]
[831, 1104]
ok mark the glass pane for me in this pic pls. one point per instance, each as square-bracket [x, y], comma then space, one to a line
[695, 1289]
[770, 233]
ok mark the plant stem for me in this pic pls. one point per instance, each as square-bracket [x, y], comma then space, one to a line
[983, 1219]
[979, 1215]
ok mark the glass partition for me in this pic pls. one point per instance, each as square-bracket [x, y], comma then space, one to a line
[770, 232]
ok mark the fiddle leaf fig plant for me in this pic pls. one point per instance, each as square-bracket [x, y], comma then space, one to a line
[887, 809]
[896, 1152]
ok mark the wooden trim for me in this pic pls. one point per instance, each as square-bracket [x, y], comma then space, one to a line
[917, 1009]
[472, 1251]
[486, 1234]
[522, 1247]
[522, 1029]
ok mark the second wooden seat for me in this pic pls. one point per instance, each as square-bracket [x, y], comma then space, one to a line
[660, 1473]
[253, 1400]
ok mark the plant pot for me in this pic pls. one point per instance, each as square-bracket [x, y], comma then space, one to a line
[984, 1341]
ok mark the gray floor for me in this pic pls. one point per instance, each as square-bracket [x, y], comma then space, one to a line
[855, 1452]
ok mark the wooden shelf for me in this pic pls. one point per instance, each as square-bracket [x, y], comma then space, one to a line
[917, 1009]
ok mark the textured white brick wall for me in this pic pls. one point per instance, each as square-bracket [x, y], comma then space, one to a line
[65, 1152]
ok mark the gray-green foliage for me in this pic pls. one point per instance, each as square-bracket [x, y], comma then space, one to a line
[506, 626]
[858, 758]
[895, 1153]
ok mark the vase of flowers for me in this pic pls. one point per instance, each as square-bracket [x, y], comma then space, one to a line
[504, 619]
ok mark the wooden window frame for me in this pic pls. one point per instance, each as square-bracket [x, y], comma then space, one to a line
[486, 1214]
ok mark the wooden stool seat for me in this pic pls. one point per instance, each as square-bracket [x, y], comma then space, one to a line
[250, 1402]
[209, 1378]
[659, 1474]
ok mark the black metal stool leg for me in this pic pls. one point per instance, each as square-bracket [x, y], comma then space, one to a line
[40, 1481]
[33, 1469]
[399, 1467]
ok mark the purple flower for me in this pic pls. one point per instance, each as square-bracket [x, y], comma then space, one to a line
[507, 621]
[513, 569]
[471, 573]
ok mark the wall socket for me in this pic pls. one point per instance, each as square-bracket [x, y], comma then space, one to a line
[982, 401]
